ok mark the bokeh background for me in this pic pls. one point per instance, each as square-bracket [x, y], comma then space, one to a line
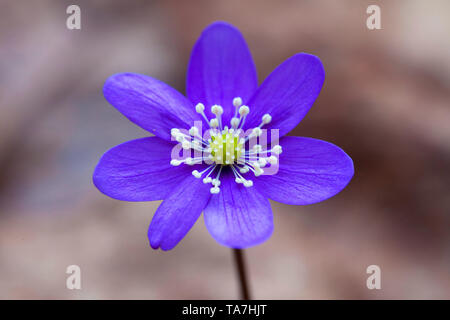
[386, 101]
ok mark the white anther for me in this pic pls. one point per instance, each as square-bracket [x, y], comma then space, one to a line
[193, 131]
[257, 168]
[174, 132]
[196, 174]
[244, 169]
[256, 132]
[214, 190]
[258, 172]
[214, 123]
[238, 180]
[189, 161]
[248, 183]
[277, 149]
[262, 162]
[175, 162]
[273, 160]
[195, 144]
[266, 118]
[179, 137]
[235, 122]
[207, 180]
[216, 109]
[257, 148]
[244, 110]
[199, 108]
[186, 145]
[216, 183]
[237, 102]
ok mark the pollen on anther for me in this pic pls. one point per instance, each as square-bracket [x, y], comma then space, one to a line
[199, 107]
[214, 123]
[277, 149]
[226, 146]
[266, 118]
[237, 102]
[216, 109]
[193, 131]
[196, 174]
[244, 110]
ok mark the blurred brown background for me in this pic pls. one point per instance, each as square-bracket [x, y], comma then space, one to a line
[386, 102]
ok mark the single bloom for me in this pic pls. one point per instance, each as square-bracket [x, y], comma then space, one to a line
[229, 172]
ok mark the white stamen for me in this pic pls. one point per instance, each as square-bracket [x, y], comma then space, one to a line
[214, 123]
[217, 110]
[256, 132]
[262, 162]
[196, 174]
[193, 131]
[186, 145]
[244, 110]
[266, 118]
[277, 149]
[214, 190]
[179, 138]
[244, 169]
[257, 148]
[235, 122]
[248, 183]
[200, 108]
[237, 102]
[225, 147]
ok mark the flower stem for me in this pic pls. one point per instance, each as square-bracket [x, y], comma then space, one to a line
[240, 265]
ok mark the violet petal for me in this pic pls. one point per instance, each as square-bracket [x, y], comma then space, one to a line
[287, 93]
[237, 216]
[150, 103]
[220, 68]
[310, 171]
[139, 170]
[177, 213]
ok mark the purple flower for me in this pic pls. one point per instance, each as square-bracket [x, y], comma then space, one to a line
[227, 181]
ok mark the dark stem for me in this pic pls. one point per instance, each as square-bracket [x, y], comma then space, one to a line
[240, 265]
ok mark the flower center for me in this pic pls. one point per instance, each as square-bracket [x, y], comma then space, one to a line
[226, 147]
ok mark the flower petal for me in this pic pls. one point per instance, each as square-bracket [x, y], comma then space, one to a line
[221, 68]
[177, 213]
[139, 170]
[310, 171]
[288, 93]
[150, 103]
[237, 216]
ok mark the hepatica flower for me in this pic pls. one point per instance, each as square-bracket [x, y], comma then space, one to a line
[229, 170]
